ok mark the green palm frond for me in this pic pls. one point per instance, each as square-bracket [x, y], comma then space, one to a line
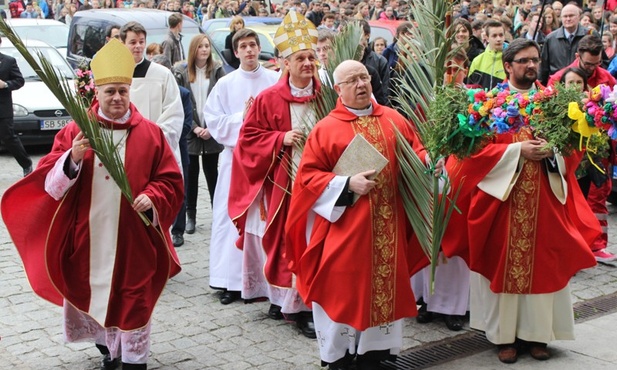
[422, 65]
[346, 46]
[101, 140]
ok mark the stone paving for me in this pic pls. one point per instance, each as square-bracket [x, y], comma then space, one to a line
[191, 329]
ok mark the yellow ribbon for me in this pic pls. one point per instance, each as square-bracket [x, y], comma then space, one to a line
[582, 127]
[580, 124]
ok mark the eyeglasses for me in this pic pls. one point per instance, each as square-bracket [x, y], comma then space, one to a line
[356, 80]
[588, 64]
[527, 60]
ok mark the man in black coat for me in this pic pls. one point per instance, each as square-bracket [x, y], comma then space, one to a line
[11, 79]
[377, 66]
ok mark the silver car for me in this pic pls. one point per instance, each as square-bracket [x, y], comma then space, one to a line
[38, 114]
[48, 30]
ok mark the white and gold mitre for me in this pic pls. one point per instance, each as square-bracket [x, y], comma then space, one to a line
[294, 34]
[114, 63]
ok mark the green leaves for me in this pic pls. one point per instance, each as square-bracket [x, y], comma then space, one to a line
[553, 124]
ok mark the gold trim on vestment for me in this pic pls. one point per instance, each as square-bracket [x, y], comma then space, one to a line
[384, 237]
[522, 226]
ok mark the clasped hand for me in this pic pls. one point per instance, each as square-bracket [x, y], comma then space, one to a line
[535, 150]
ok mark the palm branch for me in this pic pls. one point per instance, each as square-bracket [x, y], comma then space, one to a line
[101, 139]
[422, 60]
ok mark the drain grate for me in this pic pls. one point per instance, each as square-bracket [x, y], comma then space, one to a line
[596, 307]
[440, 352]
[464, 345]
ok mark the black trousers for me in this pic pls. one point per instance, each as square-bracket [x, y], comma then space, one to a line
[180, 223]
[210, 167]
[12, 143]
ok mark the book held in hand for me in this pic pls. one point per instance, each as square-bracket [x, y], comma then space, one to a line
[359, 156]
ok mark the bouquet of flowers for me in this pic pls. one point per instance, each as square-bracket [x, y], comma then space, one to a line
[500, 110]
[599, 112]
[85, 83]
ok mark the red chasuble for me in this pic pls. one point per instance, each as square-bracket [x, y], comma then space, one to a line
[530, 243]
[357, 268]
[53, 237]
[261, 163]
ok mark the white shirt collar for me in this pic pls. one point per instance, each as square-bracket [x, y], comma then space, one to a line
[298, 92]
[122, 119]
[361, 112]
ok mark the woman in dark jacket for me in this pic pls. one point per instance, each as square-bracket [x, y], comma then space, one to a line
[199, 74]
[237, 23]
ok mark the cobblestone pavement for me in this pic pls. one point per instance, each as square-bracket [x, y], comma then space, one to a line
[191, 329]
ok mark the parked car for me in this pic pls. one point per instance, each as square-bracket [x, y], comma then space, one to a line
[38, 114]
[385, 29]
[48, 30]
[264, 32]
[216, 23]
[88, 29]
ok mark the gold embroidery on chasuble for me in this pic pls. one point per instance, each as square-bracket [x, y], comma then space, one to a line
[384, 217]
[522, 225]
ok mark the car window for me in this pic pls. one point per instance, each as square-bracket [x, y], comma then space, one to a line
[76, 44]
[381, 32]
[218, 38]
[214, 24]
[50, 54]
[55, 36]
[266, 44]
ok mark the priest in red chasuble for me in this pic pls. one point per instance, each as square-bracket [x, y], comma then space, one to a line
[525, 230]
[348, 237]
[83, 244]
[261, 172]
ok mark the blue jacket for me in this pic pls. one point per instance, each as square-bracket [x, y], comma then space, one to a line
[612, 67]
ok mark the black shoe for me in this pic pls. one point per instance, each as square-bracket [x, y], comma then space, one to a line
[126, 366]
[108, 364]
[274, 312]
[305, 323]
[27, 170]
[454, 322]
[424, 316]
[229, 296]
[177, 239]
[190, 222]
[371, 360]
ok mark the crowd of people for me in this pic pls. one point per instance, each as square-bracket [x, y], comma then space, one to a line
[286, 226]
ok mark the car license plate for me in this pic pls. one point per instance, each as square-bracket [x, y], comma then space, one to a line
[54, 124]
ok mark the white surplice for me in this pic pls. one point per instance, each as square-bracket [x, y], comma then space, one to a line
[223, 114]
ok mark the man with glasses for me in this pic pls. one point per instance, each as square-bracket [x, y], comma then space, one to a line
[522, 264]
[589, 58]
[561, 45]
[350, 233]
